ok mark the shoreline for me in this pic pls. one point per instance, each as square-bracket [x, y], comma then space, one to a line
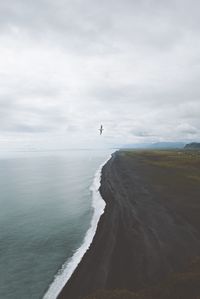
[67, 292]
[139, 240]
[67, 269]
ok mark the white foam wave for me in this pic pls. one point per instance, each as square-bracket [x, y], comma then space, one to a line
[68, 268]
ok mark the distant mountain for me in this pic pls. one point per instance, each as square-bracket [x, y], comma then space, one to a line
[157, 145]
[193, 145]
[137, 145]
[163, 145]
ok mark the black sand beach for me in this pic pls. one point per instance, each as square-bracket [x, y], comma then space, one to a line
[150, 227]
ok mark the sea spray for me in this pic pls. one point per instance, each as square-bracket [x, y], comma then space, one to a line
[70, 265]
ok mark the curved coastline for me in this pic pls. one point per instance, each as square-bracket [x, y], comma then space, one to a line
[139, 239]
[64, 274]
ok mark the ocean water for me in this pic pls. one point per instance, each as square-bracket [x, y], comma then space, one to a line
[49, 209]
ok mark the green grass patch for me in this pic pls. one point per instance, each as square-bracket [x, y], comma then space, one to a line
[184, 163]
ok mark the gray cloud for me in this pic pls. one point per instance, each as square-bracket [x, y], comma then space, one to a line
[67, 66]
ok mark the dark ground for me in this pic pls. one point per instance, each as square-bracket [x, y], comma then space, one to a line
[151, 225]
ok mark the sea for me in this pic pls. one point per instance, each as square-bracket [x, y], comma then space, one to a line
[49, 210]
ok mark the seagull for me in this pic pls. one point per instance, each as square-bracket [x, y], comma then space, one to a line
[101, 130]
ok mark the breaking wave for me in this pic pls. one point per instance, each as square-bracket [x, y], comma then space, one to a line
[70, 265]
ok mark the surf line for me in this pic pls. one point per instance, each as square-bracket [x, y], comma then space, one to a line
[64, 274]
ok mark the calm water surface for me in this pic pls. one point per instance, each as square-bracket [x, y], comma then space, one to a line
[45, 212]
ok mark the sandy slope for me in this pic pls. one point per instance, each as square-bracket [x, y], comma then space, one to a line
[141, 237]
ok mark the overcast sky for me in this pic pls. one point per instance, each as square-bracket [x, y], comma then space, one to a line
[67, 66]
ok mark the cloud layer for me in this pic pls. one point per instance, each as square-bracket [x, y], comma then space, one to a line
[68, 66]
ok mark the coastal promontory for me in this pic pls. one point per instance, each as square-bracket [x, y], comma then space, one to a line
[192, 146]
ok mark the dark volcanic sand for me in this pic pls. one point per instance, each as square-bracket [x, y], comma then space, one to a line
[143, 235]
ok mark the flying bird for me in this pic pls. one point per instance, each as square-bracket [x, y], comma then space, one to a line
[101, 130]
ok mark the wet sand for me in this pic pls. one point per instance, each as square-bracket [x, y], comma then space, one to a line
[145, 233]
